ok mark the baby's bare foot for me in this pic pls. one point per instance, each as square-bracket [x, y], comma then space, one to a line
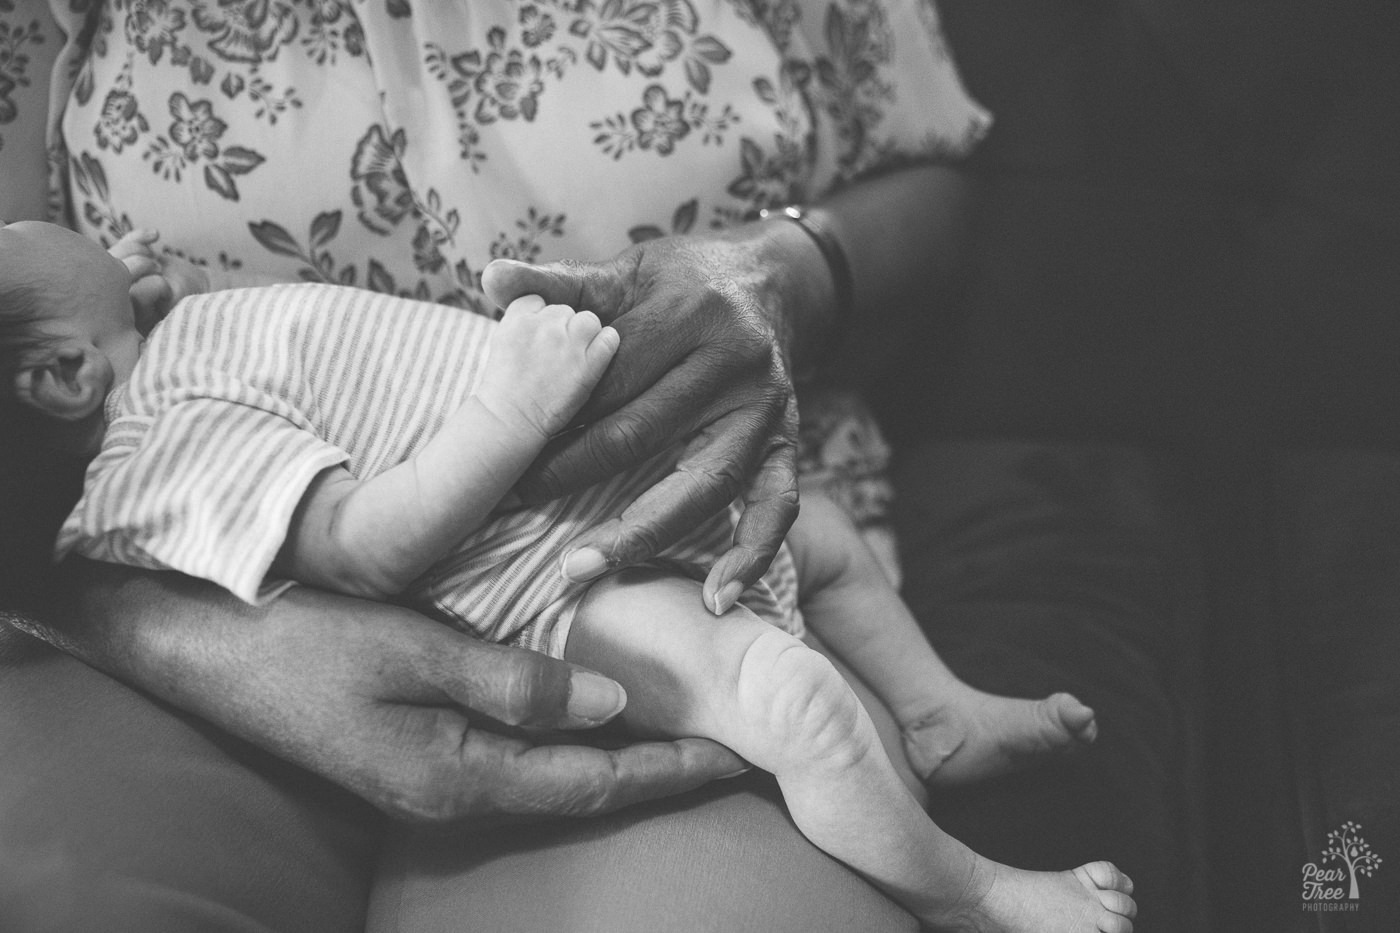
[978, 735]
[1093, 898]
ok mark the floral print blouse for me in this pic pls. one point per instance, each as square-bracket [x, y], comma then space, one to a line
[400, 145]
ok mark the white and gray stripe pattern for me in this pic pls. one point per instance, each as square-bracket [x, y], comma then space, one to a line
[242, 397]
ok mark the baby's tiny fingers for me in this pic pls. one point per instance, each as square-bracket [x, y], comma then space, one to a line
[527, 304]
[139, 266]
[584, 325]
[561, 314]
[602, 348]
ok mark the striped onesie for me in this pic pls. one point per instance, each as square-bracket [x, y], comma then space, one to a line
[242, 397]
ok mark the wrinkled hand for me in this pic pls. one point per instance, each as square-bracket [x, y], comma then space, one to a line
[158, 282]
[545, 360]
[381, 700]
[705, 335]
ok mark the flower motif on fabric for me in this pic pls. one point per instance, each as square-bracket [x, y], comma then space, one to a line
[152, 27]
[120, 123]
[849, 85]
[525, 245]
[91, 181]
[765, 180]
[437, 228]
[498, 83]
[660, 123]
[318, 264]
[778, 17]
[381, 191]
[770, 177]
[196, 130]
[507, 84]
[14, 60]
[248, 31]
[648, 35]
[536, 26]
[194, 138]
[332, 27]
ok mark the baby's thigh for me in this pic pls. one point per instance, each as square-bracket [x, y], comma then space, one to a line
[733, 678]
[679, 663]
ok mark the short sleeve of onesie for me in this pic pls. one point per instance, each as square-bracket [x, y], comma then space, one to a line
[206, 487]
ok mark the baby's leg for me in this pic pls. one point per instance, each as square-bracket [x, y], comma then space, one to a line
[783, 707]
[952, 732]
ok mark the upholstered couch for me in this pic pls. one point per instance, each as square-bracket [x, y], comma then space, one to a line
[1190, 243]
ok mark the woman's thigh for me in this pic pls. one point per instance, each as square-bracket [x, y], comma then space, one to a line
[720, 859]
[119, 813]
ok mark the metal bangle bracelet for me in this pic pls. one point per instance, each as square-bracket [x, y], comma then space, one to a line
[842, 281]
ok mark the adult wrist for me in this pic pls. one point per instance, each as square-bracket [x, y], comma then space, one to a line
[821, 312]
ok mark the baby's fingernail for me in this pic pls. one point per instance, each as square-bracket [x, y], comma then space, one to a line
[727, 596]
[594, 698]
[734, 774]
[584, 564]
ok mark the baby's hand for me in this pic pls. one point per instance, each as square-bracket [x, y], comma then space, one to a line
[158, 282]
[545, 361]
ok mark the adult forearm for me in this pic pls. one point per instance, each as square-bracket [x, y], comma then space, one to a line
[185, 640]
[903, 234]
[374, 697]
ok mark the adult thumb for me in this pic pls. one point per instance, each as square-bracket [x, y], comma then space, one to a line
[583, 286]
[505, 280]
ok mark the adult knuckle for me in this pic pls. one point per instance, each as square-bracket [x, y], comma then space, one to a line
[625, 442]
[521, 687]
[718, 476]
[595, 793]
[426, 797]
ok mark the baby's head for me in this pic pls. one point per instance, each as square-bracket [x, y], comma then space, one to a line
[67, 330]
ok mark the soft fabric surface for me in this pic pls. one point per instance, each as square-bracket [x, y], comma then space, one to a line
[117, 813]
[1035, 568]
[721, 859]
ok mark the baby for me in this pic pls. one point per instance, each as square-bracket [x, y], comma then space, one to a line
[368, 444]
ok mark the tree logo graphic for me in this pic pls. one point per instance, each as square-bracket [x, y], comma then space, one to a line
[1350, 859]
[1347, 846]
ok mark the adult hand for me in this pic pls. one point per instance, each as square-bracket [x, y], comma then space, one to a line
[394, 707]
[708, 328]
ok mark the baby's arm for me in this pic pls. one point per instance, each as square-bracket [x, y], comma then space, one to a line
[373, 538]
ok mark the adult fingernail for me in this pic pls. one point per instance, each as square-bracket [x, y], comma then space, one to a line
[734, 774]
[727, 596]
[594, 698]
[584, 564]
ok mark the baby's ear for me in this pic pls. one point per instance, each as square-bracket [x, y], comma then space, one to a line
[70, 382]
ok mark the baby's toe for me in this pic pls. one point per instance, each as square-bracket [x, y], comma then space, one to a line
[1105, 876]
[1118, 903]
[1115, 923]
[1073, 716]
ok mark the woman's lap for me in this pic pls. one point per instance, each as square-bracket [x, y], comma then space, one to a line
[723, 858]
[1034, 568]
[118, 813]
